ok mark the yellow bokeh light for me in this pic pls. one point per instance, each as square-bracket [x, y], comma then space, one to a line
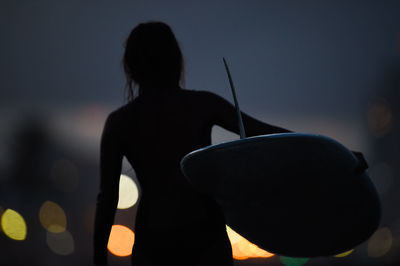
[380, 243]
[60, 243]
[52, 217]
[13, 225]
[344, 254]
[128, 192]
[121, 240]
[1, 213]
[243, 249]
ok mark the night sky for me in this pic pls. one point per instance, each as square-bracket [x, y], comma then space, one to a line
[328, 67]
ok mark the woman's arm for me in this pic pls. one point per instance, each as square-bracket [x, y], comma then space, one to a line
[224, 114]
[107, 199]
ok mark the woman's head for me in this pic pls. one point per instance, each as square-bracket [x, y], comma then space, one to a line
[152, 58]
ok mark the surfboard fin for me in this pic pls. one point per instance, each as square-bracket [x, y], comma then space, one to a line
[363, 165]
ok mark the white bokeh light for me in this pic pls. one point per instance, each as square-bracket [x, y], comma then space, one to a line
[128, 192]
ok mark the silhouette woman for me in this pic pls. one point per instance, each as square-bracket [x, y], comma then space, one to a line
[175, 223]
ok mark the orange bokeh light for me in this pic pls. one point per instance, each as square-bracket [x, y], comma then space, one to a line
[121, 240]
[243, 249]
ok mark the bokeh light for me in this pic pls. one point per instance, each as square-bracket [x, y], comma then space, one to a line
[344, 254]
[380, 243]
[128, 192]
[1, 213]
[289, 261]
[60, 243]
[243, 249]
[52, 217]
[380, 118]
[121, 240]
[13, 225]
[233, 236]
[64, 175]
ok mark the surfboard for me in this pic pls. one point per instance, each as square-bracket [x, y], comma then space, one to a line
[292, 194]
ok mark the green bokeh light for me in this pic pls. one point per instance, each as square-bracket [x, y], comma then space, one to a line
[289, 261]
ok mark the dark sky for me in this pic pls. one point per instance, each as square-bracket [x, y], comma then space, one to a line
[321, 57]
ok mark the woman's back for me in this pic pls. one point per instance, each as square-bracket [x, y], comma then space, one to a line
[158, 130]
[154, 132]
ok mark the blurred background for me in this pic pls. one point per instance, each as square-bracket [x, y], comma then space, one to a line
[326, 67]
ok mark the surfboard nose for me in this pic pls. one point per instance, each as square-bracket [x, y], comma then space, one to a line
[298, 195]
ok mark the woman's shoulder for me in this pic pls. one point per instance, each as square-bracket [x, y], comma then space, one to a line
[116, 117]
[123, 110]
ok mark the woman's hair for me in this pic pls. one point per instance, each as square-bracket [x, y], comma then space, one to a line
[152, 59]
